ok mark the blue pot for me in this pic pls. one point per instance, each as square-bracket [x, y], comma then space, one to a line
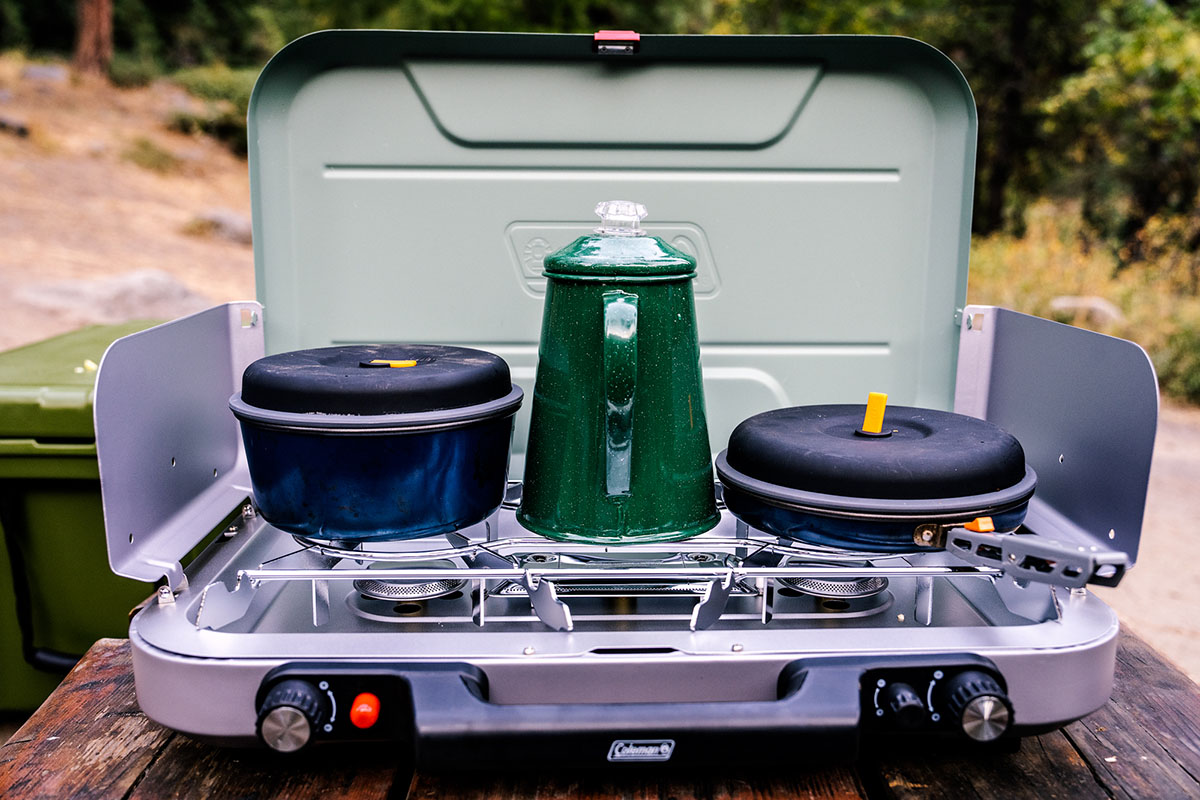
[378, 478]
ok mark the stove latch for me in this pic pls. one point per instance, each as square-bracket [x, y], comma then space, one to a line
[616, 43]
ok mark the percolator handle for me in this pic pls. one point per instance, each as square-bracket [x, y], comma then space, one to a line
[620, 384]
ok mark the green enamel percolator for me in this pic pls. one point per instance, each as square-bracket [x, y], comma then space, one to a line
[618, 443]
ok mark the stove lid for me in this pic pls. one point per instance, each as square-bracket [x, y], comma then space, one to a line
[407, 186]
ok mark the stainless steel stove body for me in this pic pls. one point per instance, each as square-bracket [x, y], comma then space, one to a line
[541, 644]
[404, 192]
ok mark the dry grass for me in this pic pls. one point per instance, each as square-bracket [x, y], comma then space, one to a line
[1058, 257]
[148, 155]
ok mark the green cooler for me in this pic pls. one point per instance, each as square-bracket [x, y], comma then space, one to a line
[57, 593]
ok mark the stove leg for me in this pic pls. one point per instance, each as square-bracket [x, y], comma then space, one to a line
[478, 600]
[766, 593]
[320, 603]
[923, 613]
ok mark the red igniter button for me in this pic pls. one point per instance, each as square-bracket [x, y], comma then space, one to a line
[364, 711]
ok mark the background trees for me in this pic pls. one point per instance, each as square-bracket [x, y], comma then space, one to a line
[1094, 104]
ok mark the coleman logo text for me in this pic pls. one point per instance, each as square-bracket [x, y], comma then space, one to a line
[641, 750]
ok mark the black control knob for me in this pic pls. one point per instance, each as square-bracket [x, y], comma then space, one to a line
[903, 705]
[976, 702]
[289, 715]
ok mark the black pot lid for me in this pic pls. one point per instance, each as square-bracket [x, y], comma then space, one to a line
[376, 379]
[923, 454]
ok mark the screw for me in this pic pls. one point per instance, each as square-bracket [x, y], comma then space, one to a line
[737, 648]
[925, 535]
[529, 651]
[165, 596]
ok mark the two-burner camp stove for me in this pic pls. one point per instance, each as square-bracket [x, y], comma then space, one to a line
[406, 187]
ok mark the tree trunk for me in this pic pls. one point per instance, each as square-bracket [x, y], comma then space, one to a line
[1009, 125]
[94, 40]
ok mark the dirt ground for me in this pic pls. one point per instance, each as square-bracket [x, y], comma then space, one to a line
[87, 235]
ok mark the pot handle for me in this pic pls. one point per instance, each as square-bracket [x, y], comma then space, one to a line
[620, 383]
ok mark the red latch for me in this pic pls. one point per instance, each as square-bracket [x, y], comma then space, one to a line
[616, 42]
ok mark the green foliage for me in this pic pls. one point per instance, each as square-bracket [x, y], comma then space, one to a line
[1178, 365]
[12, 26]
[228, 94]
[148, 155]
[128, 71]
[1129, 123]
[219, 82]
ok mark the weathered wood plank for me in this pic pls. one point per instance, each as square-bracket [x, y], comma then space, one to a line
[834, 783]
[1146, 741]
[191, 769]
[89, 740]
[1045, 767]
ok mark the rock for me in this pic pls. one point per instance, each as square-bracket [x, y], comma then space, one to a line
[224, 223]
[48, 73]
[143, 294]
[1089, 308]
[14, 126]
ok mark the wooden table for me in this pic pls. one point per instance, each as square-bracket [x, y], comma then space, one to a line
[89, 740]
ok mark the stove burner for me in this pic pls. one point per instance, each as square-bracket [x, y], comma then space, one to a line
[837, 587]
[399, 591]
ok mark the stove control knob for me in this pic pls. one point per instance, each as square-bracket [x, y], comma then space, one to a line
[977, 703]
[289, 715]
[903, 705]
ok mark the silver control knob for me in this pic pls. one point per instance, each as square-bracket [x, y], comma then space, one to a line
[289, 715]
[976, 701]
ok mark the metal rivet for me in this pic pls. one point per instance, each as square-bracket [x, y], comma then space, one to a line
[737, 648]
[529, 651]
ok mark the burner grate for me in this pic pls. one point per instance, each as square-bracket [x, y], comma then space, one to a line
[843, 589]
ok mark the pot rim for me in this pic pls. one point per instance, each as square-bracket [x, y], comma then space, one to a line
[879, 508]
[377, 424]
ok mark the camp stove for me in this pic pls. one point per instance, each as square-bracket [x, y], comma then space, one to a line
[733, 646]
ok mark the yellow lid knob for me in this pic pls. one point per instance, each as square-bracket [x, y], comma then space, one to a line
[390, 363]
[873, 420]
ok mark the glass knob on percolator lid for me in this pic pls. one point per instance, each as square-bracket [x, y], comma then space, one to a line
[620, 218]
